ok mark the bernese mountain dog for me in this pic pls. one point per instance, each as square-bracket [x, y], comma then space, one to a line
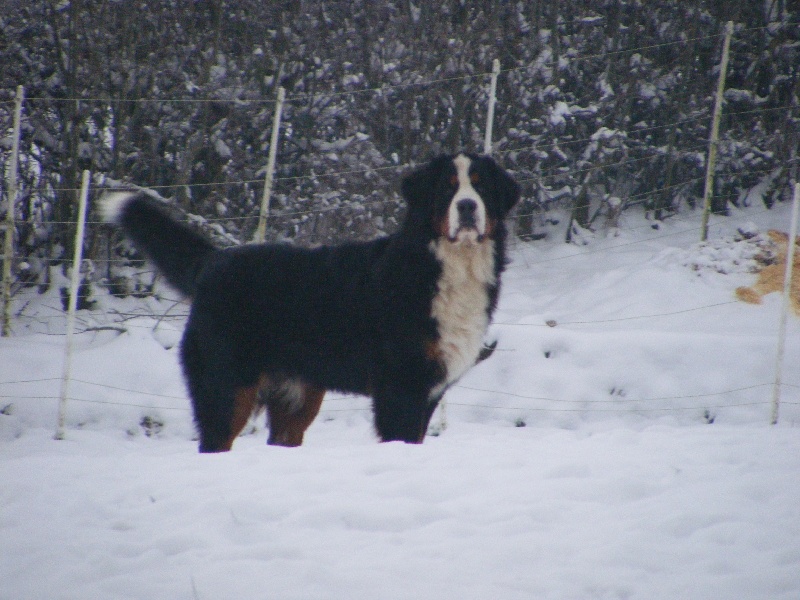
[398, 319]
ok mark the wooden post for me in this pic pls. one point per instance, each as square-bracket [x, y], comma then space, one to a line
[711, 163]
[8, 247]
[787, 286]
[73, 305]
[261, 230]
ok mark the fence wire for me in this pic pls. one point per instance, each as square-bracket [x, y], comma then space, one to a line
[588, 406]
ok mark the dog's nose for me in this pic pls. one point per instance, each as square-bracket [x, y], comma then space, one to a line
[466, 209]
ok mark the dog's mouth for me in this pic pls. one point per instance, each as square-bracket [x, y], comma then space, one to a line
[467, 234]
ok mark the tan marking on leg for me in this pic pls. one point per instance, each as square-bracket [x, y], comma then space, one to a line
[287, 427]
[243, 405]
[302, 419]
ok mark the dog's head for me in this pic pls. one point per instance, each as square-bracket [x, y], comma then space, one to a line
[462, 198]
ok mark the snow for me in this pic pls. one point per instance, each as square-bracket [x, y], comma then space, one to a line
[222, 149]
[558, 113]
[647, 90]
[621, 451]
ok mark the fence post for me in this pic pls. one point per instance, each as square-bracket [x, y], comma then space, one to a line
[787, 287]
[8, 246]
[73, 304]
[261, 230]
[711, 162]
[487, 140]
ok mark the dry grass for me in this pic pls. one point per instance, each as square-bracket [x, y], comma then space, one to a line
[770, 278]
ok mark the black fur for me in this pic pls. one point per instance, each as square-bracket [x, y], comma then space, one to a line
[353, 318]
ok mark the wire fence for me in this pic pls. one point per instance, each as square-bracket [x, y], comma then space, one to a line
[521, 260]
[641, 405]
[702, 145]
[119, 321]
[554, 405]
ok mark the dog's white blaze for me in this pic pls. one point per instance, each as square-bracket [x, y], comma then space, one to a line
[465, 191]
[460, 305]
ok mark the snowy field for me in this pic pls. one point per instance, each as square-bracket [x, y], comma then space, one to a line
[622, 453]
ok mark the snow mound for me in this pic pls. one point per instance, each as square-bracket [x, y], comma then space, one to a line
[748, 251]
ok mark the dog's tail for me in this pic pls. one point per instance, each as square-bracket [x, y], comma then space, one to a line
[178, 251]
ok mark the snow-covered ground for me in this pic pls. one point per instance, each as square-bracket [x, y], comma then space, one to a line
[621, 452]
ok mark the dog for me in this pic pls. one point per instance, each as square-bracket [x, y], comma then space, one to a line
[399, 319]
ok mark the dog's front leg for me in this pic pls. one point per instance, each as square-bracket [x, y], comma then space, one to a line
[402, 415]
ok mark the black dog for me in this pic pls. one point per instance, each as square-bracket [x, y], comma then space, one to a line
[399, 319]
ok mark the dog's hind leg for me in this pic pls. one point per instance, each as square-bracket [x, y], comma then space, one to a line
[223, 397]
[214, 417]
[219, 415]
[221, 421]
[291, 408]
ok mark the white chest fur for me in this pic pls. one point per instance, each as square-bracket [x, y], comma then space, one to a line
[460, 304]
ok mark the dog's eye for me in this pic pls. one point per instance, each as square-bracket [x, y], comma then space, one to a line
[454, 180]
[474, 178]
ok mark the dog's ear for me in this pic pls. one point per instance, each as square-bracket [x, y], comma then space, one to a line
[505, 187]
[418, 187]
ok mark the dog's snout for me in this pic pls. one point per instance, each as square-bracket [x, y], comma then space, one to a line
[466, 214]
[466, 209]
